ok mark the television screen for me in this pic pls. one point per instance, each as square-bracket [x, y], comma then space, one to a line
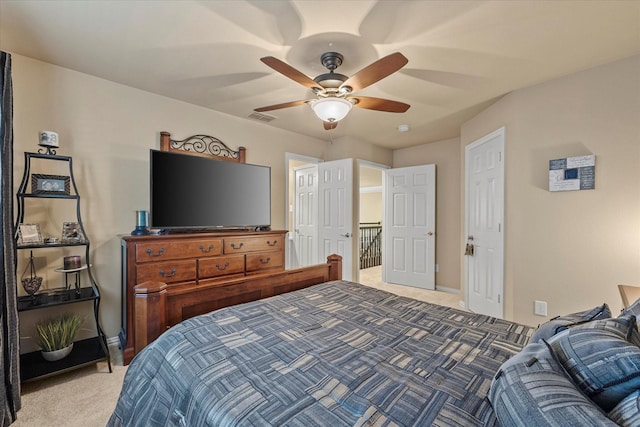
[196, 192]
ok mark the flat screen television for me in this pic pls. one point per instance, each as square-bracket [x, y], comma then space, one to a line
[194, 192]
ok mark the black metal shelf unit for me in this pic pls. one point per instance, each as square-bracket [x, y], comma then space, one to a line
[85, 352]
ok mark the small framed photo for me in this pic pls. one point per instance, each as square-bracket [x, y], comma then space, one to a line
[50, 184]
[29, 234]
[72, 233]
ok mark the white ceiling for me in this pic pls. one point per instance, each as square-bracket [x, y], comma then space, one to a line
[463, 55]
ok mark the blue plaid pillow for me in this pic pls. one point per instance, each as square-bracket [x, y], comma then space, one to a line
[633, 309]
[560, 323]
[627, 412]
[602, 358]
[532, 389]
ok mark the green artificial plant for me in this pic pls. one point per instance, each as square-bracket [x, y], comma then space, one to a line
[58, 332]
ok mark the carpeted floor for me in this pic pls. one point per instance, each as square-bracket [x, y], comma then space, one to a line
[81, 398]
[86, 397]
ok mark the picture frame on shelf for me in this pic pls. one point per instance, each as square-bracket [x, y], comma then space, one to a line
[29, 234]
[50, 184]
[72, 233]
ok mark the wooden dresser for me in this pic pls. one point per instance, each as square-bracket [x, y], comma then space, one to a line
[200, 271]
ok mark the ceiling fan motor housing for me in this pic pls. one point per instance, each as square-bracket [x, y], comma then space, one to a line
[331, 60]
[331, 80]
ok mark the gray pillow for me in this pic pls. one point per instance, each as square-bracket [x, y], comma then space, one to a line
[602, 358]
[627, 412]
[532, 389]
[560, 323]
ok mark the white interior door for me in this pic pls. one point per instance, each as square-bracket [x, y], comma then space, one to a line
[484, 213]
[305, 216]
[335, 212]
[408, 226]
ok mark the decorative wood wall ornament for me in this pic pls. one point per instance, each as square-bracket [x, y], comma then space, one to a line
[572, 173]
[204, 145]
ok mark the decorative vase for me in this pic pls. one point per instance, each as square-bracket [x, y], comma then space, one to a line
[54, 355]
[32, 283]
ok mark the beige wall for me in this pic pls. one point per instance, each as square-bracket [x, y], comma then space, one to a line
[348, 147]
[109, 128]
[371, 206]
[446, 156]
[370, 183]
[569, 249]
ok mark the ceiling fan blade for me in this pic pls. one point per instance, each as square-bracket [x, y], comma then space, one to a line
[288, 71]
[279, 106]
[376, 71]
[380, 104]
[330, 125]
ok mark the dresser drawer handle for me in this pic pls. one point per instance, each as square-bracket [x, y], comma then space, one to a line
[150, 252]
[206, 250]
[270, 243]
[219, 267]
[173, 273]
[233, 245]
[265, 261]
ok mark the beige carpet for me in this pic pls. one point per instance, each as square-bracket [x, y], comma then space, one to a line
[86, 397]
[372, 277]
[81, 398]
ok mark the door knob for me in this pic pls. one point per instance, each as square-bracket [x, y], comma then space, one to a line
[430, 233]
[346, 235]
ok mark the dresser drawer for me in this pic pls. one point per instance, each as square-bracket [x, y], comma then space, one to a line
[220, 266]
[176, 249]
[252, 244]
[264, 261]
[167, 272]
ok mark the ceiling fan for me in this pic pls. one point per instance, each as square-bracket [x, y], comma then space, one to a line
[334, 91]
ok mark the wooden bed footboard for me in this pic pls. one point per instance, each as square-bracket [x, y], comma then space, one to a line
[157, 306]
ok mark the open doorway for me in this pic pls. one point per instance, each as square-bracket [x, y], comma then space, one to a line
[370, 213]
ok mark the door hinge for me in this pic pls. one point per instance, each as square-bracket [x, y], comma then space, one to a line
[499, 299]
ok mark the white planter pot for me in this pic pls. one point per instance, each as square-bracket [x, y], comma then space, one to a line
[52, 356]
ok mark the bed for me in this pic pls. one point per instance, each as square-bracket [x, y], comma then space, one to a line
[336, 353]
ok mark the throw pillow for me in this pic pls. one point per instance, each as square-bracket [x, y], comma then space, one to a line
[560, 323]
[633, 309]
[602, 358]
[627, 412]
[532, 389]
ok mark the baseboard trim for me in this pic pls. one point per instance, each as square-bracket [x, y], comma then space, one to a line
[447, 290]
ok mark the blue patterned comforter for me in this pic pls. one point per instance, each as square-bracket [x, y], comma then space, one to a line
[335, 354]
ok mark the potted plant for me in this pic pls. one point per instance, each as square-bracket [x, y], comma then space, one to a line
[56, 335]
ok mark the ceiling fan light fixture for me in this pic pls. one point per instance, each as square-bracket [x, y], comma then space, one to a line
[331, 109]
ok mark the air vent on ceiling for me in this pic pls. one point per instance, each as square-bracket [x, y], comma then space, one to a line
[261, 116]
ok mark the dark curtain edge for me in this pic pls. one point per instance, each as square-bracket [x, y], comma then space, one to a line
[9, 340]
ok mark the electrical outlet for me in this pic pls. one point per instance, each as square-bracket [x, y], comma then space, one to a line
[540, 308]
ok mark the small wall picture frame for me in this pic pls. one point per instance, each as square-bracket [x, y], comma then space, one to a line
[72, 233]
[572, 173]
[50, 184]
[29, 234]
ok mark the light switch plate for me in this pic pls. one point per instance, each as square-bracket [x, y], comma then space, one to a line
[540, 308]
